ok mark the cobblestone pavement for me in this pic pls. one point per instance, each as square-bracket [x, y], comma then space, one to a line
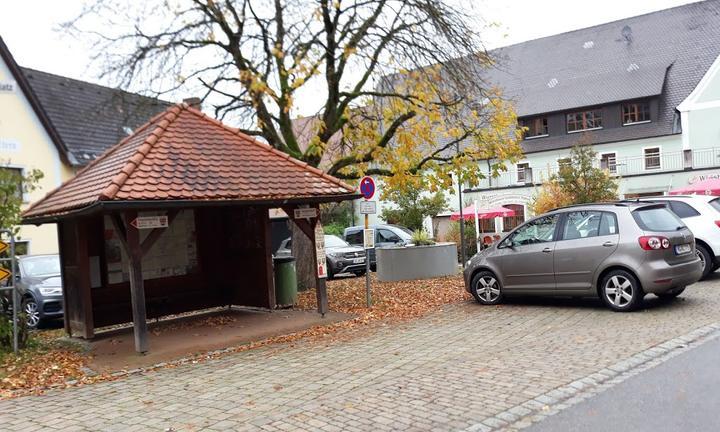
[468, 367]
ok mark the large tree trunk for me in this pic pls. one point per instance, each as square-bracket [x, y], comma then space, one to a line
[303, 251]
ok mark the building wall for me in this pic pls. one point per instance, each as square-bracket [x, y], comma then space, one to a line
[25, 144]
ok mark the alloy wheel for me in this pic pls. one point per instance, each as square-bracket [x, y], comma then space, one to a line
[702, 258]
[32, 313]
[487, 289]
[619, 291]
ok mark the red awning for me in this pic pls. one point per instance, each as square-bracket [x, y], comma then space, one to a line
[469, 213]
[705, 187]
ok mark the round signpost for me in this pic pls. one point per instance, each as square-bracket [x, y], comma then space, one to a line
[367, 187]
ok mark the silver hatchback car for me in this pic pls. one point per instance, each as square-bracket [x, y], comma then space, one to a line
[617, 251]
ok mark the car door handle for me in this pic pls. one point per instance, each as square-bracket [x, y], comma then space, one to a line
[608, 244]
[547, 250]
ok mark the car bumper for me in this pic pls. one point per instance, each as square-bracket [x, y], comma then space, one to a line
[51, 307]
[347, 266]
[658, 278]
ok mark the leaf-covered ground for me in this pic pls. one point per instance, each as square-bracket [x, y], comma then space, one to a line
[50, 362]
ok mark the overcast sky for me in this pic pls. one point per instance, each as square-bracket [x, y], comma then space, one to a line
[30, 27]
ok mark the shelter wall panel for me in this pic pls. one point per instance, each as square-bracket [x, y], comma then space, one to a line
[76, 277]
[247, 255]
[165, 296]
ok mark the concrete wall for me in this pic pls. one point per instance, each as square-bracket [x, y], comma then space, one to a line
[416, 262]
[25, 144]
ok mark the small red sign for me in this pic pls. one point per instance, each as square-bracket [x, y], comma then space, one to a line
[367, 187]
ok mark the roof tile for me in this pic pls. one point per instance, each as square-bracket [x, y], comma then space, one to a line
[182, 154]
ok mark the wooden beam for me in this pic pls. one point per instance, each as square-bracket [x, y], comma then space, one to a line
[83, 282]
[307, 226]
[119, 226]
[64, 277]
[267, 253]
[156, 233]
[137, 287]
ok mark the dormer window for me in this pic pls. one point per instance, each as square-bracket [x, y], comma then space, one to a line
[536, 127]
[584, 120]
[635, 113]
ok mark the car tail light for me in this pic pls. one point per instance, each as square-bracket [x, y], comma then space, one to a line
[654, 242]
[717, 222]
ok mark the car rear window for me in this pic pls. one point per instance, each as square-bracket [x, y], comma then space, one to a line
[657, 219]
[683, 210]
[715, 204]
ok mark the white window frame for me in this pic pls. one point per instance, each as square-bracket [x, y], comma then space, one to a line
[659, 167]
[517, 172]
[558, 159]
[600, 157]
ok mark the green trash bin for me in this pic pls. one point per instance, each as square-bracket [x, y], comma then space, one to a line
[285, 281]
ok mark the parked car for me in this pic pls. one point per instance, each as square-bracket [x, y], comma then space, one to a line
[385, 236]
[285, 248]
[341, 257]
[701, 213]
[40, 287]
[617, 251]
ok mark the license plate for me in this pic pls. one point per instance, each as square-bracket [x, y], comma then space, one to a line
[358, 260]
[682, 249]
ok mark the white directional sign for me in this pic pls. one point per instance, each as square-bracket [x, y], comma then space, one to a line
[150, 222]
[320, 251]
[305, 213]
[368, 207]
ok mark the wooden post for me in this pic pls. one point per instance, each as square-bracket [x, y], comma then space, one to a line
[64, 277]
[308, 227]
[137, 286]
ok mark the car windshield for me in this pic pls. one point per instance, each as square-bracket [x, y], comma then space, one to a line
[404, 230]
[41, 266]
[332, 241]
[657, 219]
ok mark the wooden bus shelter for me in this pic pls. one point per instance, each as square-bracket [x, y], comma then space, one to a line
[174, 218]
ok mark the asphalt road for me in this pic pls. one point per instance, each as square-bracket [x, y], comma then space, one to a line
[682, 394]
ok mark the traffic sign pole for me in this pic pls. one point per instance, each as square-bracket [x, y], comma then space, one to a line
[367, 189]
[12, 286]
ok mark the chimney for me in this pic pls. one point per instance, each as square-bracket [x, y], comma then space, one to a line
[194, 102]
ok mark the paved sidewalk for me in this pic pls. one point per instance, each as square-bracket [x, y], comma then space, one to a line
[449, 371]
[677, 396]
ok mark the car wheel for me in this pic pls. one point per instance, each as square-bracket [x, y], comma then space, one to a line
[621, 291]
[705, 258]
[672, 293]
[32, 312]
[486, 288]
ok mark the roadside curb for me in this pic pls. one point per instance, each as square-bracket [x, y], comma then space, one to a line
[535, 410]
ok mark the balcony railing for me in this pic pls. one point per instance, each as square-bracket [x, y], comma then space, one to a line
[622, 167]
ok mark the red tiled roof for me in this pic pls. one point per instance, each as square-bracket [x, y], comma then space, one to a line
[182, 154]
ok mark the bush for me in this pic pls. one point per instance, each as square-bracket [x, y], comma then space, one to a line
[421, 238]
[6, 331]
[335, 228]
[453, 235]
